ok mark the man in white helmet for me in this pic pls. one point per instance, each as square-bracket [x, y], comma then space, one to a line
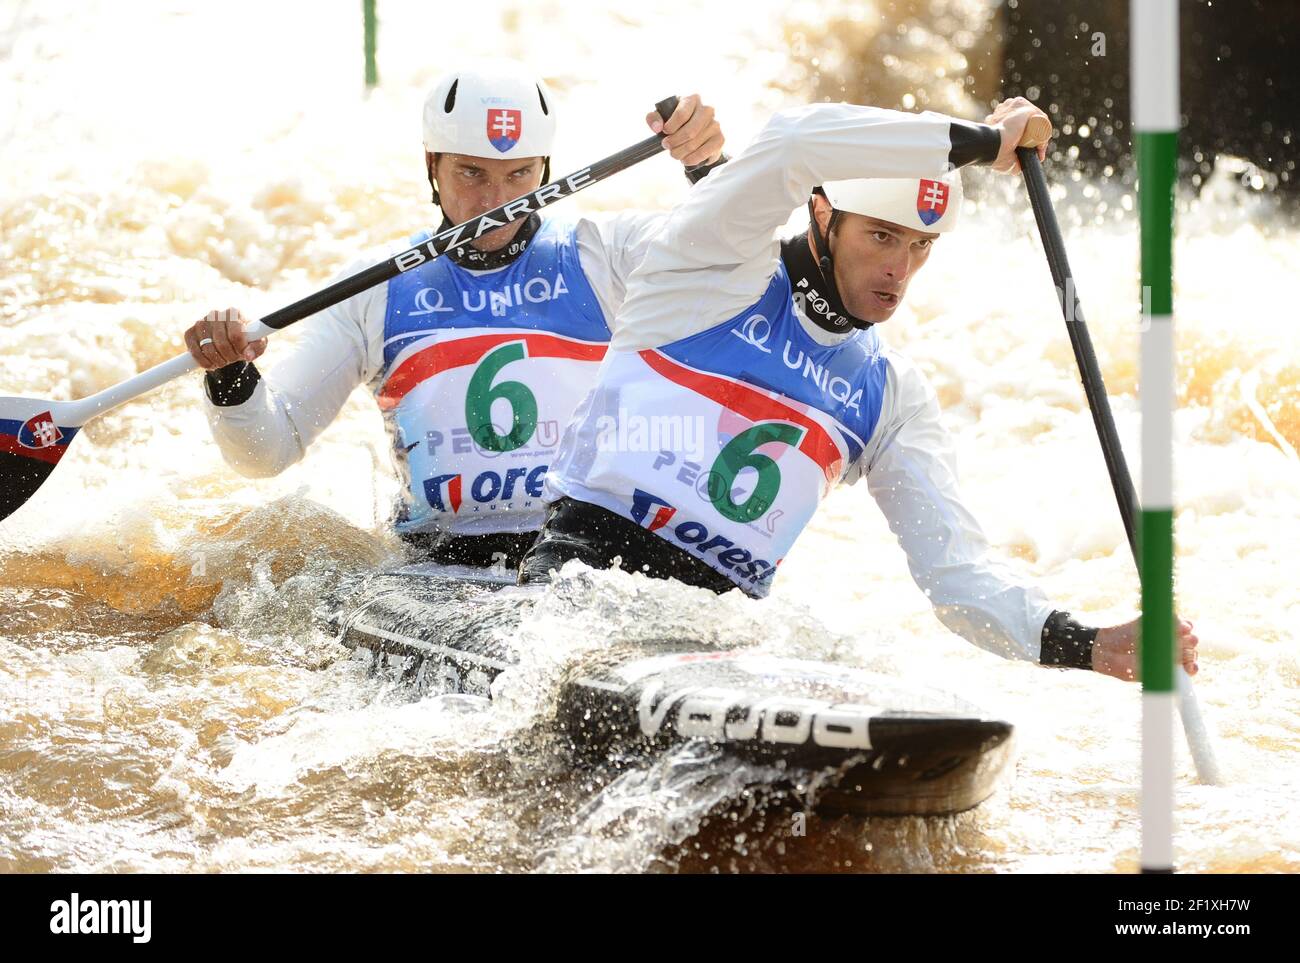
[769, 351]
[477, 358]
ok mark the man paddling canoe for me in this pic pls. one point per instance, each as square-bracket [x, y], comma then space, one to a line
[771, 348]
[476, 359]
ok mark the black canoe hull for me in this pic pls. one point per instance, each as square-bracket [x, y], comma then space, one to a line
[881, 748]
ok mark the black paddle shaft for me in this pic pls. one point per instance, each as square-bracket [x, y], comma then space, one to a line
[462, 234]
[1093, 386]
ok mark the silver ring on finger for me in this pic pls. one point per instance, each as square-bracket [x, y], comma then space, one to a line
[205, 342]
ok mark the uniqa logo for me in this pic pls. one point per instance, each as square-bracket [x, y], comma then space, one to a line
[533, 291]
[709, 712]
[838, 389]
[754, 331]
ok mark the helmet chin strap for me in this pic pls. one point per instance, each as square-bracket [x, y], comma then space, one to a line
[430, 160]
[822, 242]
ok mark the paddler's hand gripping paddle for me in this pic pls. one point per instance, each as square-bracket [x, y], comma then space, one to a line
[35, 433]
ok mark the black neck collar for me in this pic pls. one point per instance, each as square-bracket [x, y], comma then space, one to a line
[467, 256]
[818, 297]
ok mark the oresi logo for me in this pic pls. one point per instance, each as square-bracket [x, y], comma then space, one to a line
[642, 502]
[434, 490]
[657, 515]
[443, 492]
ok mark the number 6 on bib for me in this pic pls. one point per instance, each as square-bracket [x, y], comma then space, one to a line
[481, 396]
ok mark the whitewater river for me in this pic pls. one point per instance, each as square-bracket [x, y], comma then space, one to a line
[165, 701]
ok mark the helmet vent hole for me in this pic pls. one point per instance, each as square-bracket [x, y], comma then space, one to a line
[542, 98]
[451, 97]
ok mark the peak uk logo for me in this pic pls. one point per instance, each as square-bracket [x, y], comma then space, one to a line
[504, 128]
[931, 201]
[39, 431]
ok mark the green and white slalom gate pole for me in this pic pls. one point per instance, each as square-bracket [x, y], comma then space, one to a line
[1153, 25]
[1150, 534]
[370, 25]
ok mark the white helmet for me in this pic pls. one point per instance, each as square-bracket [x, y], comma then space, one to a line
[921, 203]
[494, 111]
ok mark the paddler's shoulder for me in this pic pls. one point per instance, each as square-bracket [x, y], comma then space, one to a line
[360, 318]
[612, 230]
[378, 253]
[909, 391]
[364, 304]
[610, 245]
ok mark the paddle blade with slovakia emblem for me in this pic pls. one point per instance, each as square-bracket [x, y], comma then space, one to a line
[34, 437]
[35, 433]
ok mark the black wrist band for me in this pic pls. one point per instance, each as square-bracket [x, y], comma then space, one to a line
[232, 385]
[1067, 643]
[698, 172]
[972, 143]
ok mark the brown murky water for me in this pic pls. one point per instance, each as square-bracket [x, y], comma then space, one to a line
[165, 701]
